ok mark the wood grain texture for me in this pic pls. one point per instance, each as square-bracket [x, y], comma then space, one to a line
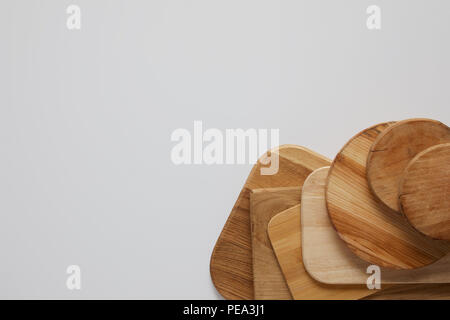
[394, 148]
[424, 192]
[231, 260]
[328, 259]
[268, 280]
[413, 292]
[285, 236]
[372, 231]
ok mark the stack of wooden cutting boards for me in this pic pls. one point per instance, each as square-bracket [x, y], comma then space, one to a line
[374, 223]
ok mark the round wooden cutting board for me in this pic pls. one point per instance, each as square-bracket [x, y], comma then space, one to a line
[424, 192]
[394, 148]
[372, 231]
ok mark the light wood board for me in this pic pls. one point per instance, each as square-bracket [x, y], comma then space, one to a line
[394, 148]
[268, 280]
[285, 236]
[328, 259]
[424, 192]
[231, 260]
[374, 232]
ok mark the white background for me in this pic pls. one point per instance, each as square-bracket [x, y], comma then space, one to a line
[86, 116]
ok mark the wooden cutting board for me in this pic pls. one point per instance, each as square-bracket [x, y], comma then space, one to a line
[424, 192]
[328, 259]
[285, 228]
[268, 280]
[285, 235]
[394, 148]
[372, 231]
[231, 260]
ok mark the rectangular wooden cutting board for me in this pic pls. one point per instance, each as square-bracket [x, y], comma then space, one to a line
[285, 229]
[285, 235]
[231, 264]
[268, 280]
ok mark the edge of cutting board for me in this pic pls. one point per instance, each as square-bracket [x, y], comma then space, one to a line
[268, 280]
